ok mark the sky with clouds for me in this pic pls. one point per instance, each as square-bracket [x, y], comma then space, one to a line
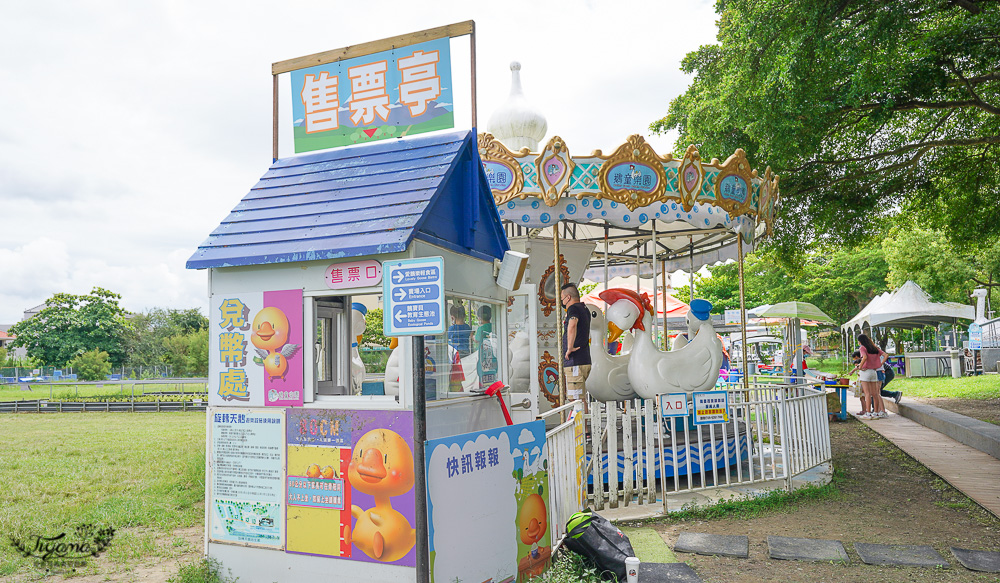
[130, 129]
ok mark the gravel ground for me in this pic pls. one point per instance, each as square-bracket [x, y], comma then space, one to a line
[884, 497]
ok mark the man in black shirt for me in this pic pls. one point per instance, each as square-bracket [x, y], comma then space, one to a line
[576, 343]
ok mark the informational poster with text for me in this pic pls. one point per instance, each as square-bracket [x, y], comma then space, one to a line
[247, 470]
[710, 407]
[350, 485]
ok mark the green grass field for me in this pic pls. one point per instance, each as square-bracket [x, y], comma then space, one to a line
[969, 387]
[976, 387]
[68, 389]
[142, 474]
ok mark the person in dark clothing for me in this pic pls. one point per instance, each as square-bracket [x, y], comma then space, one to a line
[576, 344]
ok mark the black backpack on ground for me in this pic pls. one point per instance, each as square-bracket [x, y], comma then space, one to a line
[595, 538]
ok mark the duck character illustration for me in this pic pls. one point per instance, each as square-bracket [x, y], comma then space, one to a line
[270, 337]
[532, 522]
[382, 465]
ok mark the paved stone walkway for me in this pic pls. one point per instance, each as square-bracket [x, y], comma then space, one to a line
[653, 570]
[972, 472]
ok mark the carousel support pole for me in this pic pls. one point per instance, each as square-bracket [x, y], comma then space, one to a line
[559, 318]
[666, 328]
[691, 256]
[638, 267]
[743, 316]
[652, 261]
[605, 256]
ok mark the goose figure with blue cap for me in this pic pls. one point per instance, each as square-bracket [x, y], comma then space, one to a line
[695, 367]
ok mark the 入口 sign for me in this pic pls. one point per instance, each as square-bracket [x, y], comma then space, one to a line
[674, 405]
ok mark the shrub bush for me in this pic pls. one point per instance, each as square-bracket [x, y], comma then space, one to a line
[91, 366]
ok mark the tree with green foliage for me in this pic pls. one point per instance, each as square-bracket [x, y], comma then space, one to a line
[842, 280]
[863, 109]
[929, 259]
[71, 324]
[187, 353]
[838, 280]
[92, 365]
[373, 335]
[146, 342]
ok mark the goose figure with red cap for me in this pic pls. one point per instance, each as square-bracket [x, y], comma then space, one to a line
[695, 367]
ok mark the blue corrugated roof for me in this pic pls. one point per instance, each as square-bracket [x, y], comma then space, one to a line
[363, 200]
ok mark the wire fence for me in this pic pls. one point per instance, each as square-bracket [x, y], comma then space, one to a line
[19, 374]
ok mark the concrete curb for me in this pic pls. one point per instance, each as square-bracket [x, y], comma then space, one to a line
[972, 432]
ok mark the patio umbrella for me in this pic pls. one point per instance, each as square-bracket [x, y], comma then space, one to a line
[801, 310]
[795, 312]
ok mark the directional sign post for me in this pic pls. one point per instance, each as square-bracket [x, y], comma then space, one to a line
[413, 296]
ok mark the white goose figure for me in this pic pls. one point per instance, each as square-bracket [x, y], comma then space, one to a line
[608, 380]
[695, 367]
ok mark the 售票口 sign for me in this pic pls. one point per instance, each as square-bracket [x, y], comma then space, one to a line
[390, 94]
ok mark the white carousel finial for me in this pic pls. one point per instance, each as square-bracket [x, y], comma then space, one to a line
[516, 123]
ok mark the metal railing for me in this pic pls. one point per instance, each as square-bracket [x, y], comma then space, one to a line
[775, 430]
[991, 333]
[567, 483]
[42, 406]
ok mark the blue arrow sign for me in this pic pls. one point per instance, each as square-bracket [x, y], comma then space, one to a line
[413, 292]
[422, 274]
[416, 293]
[416, 315]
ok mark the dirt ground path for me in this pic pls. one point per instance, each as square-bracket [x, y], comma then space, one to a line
[187, 544]
[885, 497]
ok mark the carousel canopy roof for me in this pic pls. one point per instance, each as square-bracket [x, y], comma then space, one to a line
[362, 200]
[907, 307]
[696, 209]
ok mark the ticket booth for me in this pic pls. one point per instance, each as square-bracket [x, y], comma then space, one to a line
[310, 460]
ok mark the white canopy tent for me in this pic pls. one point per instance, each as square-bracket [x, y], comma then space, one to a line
[907, 307]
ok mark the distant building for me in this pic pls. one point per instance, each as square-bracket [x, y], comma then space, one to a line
[32, 312]
[6, 340]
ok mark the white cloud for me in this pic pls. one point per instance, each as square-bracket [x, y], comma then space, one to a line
[525, 437]
[133, 128]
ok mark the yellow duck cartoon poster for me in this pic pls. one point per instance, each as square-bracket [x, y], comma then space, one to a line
[255, 355]
[350, 485]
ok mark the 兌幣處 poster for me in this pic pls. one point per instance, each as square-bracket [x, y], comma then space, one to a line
[255, 349]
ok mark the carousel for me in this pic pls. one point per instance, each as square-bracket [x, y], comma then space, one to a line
[590, 217]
